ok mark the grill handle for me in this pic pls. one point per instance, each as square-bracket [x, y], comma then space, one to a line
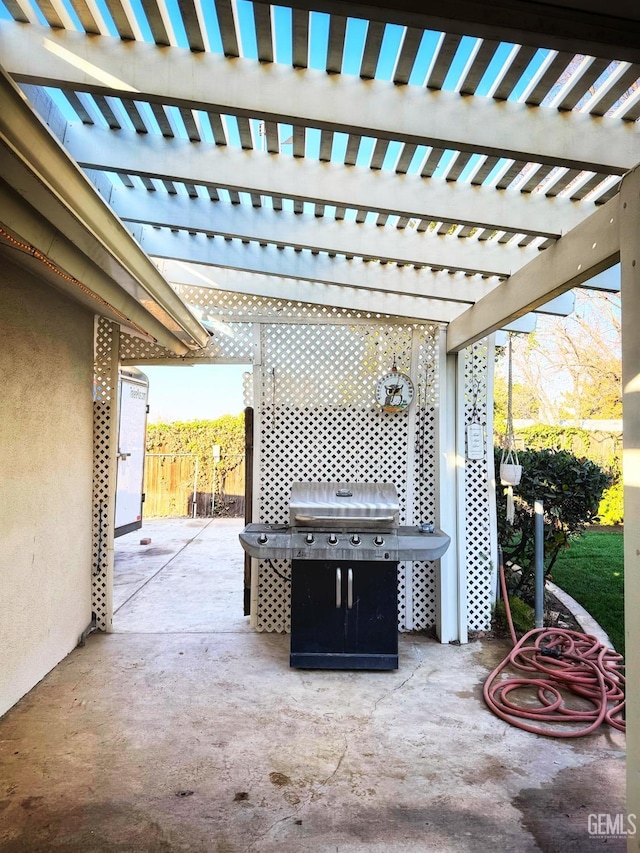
[349, 589]
[352, 519]
[338, 588]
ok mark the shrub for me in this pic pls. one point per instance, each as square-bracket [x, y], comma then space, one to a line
[522, 615]
[570, 489]
[611, 510]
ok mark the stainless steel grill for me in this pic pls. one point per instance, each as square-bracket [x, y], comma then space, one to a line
[344, 543]
[344, 521]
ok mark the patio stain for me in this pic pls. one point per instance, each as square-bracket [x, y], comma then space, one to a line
[279, 779]
[557, 814]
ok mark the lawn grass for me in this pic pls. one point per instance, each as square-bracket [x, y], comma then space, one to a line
[592, 572]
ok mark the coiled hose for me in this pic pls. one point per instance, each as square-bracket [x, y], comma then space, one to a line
[559, 664]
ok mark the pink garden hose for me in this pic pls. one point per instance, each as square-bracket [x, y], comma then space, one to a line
[558, 665]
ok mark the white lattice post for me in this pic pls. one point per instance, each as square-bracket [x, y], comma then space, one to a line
[629, 212]
[258, 415]
[491, 473]
[105, 437]
[406, 607]
[448, 498]
[462, 497]
[476, 401]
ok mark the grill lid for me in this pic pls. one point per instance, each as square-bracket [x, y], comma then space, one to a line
[344, 505]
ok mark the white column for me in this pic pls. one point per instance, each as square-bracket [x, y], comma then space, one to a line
[448, 498]
[630, 291]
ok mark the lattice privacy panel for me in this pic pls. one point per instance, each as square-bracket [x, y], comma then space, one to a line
[230, 342]
[318, 420]
[229, 316]
[104, 407]
[209, 303]
[480, 574]
[421, 606]
[314, 407]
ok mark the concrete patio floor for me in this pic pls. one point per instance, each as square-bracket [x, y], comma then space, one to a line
[185, 730]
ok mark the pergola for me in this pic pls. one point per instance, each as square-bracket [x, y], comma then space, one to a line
[467, 165]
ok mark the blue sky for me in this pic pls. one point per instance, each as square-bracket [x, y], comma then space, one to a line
[201, 392]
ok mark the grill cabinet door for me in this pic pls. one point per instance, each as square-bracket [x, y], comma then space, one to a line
[343, 621]
[317, 608]
[372, 619]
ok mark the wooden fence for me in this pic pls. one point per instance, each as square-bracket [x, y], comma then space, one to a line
[169, 480]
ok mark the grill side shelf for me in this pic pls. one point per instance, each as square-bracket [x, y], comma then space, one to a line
[414, 545]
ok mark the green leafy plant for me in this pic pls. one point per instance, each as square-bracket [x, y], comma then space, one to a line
[522, 615]
[570, 490]
[603, 448]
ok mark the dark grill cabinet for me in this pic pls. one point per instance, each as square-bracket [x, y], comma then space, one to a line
[344, 615]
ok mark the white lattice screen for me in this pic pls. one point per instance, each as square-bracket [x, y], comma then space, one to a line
[478, 474]
[318, 420]
[104, 424]
[232, 342]
[231, 316]
[312, 389]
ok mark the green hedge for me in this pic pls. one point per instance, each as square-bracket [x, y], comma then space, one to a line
[199, 437]
[603, 448]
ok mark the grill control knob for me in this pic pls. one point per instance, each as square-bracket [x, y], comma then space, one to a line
[263, 539]
[355, 539]
[332, 539]
[309, 539]
[378, 540]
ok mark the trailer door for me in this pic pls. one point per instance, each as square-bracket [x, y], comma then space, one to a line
[132, 428]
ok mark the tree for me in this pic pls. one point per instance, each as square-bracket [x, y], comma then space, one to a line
[570, 366]
[525, 403]
[589, 347]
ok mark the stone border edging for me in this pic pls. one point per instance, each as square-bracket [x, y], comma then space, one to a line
[583, 617]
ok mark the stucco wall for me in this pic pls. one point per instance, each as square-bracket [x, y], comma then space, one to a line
[46, 358]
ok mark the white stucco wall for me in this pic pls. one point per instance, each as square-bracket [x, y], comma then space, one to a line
[46, 373]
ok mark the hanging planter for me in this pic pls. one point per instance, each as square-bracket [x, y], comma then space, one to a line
[510, 468]
[510, 471]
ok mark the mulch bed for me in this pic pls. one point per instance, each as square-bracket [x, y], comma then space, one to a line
[556, 615]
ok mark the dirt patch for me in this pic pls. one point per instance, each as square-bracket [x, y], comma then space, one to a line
[279, 779]
[556, 615]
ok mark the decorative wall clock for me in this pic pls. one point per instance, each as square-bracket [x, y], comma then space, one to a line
[394, 391]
